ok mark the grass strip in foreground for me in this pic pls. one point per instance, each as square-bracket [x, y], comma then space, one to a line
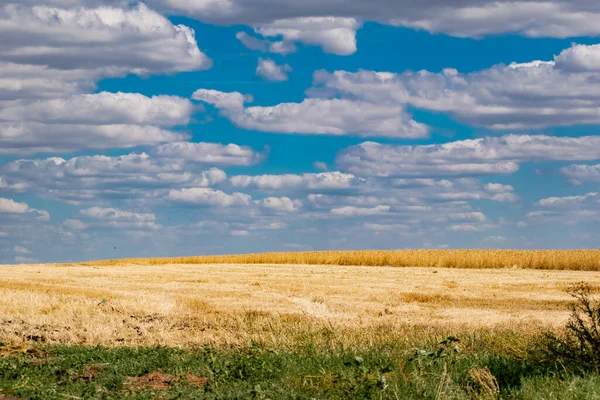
[444, 369]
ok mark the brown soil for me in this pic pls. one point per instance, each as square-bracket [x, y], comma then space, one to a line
[196, 380]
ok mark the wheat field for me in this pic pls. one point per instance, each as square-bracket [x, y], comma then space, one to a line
[578, 260]
[278, 305]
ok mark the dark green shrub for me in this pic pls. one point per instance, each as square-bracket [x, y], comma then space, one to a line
[578, 348]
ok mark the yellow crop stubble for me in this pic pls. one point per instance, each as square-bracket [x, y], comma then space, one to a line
[277, 305]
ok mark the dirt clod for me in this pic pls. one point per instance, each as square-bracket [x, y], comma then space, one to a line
[154, 381]
[196, 380]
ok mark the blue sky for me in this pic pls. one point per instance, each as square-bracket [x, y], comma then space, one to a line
[172, 128]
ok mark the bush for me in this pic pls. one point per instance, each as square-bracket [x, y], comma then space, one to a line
[578, 349]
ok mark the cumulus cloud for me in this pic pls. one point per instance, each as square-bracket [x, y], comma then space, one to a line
[463, 18]
[120, 40]
[9, 208]
[579, 174]
[570, 200]
[270, 71]
[18, 81]
[321, 181]
[475, 216]
[116, 218]
[387, 227]
[516, 96]
[211, 153]
[251, 42]
[265, 45]
[469, 227]
[498, 188]
[484, 156]
[579, 58]
[75, 224]
[213, 227]
[100, 120]
[317, 116]
[334, 34]
[52, 55]
[569, 210]
[90, 178]
[204, 197]
[320, 165]
[280, 204]
[34, 137]
[351, 211]
[102, 109]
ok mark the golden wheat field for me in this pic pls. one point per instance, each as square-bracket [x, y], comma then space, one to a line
[280, 305]
[579, 260]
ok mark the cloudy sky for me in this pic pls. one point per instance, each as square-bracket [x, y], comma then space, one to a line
[188, 127]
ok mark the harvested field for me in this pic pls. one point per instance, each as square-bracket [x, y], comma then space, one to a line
[228, 305]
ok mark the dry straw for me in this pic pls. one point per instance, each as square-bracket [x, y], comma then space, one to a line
[581, 260]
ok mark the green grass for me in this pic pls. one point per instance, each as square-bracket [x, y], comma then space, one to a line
[393, 371]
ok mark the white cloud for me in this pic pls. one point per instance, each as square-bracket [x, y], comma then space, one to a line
[209, 197]
[321, 181]
[212, 227]
[553, 18]
[570, 200]
[318, 116]
[10, 207]
[282, 47]
[387, 227]
[494, 239]
[114, 214]
[75, 224]
[475, 216]
[473, 18]
[51, 56]
[15, 187]
[219, 99]
[320, 165]
[102, 109]
[22, 250]
[498, 188]
[334, 34]
[211, 153]
[117, 218]
[33, 137]
[251, 42]
[100, 120]
[518, 96]
[270, 71]
[18, 82]
[90, 178]
[579, 58]
[484, 156]
[567, 210]
[280, 204]
[351, 211]
[118, 40]
[470, 227]
[579, 174]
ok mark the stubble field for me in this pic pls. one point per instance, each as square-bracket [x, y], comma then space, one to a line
[155, 329]
[227, 304]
